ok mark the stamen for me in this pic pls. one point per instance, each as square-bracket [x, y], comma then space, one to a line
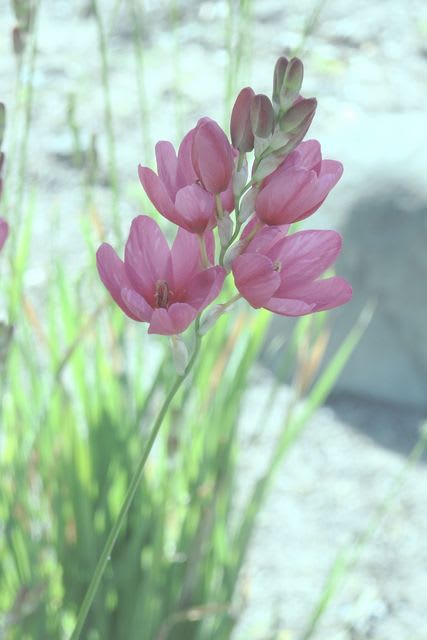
[277, 266]
[162, 294]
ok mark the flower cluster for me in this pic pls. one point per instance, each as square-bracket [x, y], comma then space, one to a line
[200, 186]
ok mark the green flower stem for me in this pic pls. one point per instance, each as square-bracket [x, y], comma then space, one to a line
[238, 224]
[130, 494]
[203, 251]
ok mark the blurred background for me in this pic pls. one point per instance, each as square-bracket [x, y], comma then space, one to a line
[89, 87]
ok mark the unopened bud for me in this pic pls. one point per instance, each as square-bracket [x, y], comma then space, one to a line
[232, 253]
[2, 122]
[261, 145]
[210, 317]
[242, 136]
[240, 177]
[294, 124]
[247, 205]
[18, 41]
[301, 112]
[179, 355]
[24, 13]
[279, 74]
[262, 116]
[267, 166]
[292, 83]
[225, 230]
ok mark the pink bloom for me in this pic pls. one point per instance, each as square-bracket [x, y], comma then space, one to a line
[165, 287]
[280, 272]
[297, 188]
[176, 191]
[4, 232]
[212, 156]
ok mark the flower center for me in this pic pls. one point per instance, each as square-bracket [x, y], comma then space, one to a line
[277, 266]
[162, 294]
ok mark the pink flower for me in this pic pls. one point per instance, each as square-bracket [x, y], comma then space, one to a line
[4, 232]
[297, 188]
[212, 156]
[176, 191]
[165, 287]
[280, 272]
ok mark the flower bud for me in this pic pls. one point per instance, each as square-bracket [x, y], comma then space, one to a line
[4, 232]
[240, 177]
[247, 206]
[242, 136]
[298, 115]
[18, 40]
[2, 122]
[294, 124]
[261, 145]
[279, 74]
[1, 168]
[262, 116]
[225, 230]
[210, 317]
[212, 156]
[267, 166]
[179, 355]
[233, 252]
[292, 83]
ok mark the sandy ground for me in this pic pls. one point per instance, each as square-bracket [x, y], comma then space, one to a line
[339, 472]
[331, 486]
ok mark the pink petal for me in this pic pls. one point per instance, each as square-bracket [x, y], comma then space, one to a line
[195, 207]
[265, 238]
[331, 168]
[205, 287]
[255, 278]
[176, 319]
[147, 257]
[210, 245]
[186, 260]
[112, 273]
[304, 256]
[330, 172]
[227, 198]
[307, 155]
[212, 156]
[273, 204]
[323, 294]
[186, 174]
[137, 305]
[4, 232]
[167, 165]
[288, 307]
[158, 194]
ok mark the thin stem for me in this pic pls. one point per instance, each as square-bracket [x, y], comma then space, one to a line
[240, 161]
[130, 494]
[232, 300]
[238, 223]
[137, 9]
[203, 251]
[108, 115]
[218, 205]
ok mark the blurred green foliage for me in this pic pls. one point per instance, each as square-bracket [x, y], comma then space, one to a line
[80, 386]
